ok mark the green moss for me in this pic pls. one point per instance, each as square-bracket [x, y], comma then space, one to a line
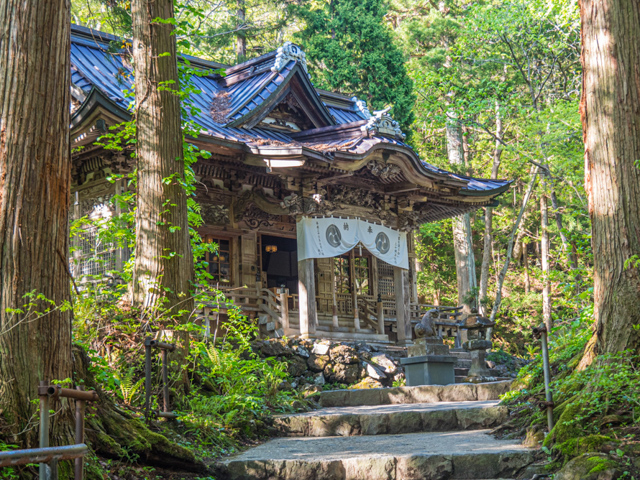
[566, 428]
[581, 445]
[599, 464]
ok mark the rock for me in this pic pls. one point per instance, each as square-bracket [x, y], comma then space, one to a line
[319, 379]
[491, 364]
[321, 348]
[303, 352]
[374, 373]
[285, 386]
[316, 363]
[341, 373]
[385, 362]
[343, 354]
[421, 467]
[534, 438]
[297, 366]
[311, 390]
[590, 466]
[275, 348]
[367, 382]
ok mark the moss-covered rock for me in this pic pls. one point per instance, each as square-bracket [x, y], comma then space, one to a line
[589, 444]
[590, 466]
[566, 427]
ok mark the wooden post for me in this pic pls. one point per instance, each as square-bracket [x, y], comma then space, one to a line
[336, 319]
[121, 252]
[284, 305]
[403, 311]
[380, 313]
[414, 267]
[307, 298]
[354, 290]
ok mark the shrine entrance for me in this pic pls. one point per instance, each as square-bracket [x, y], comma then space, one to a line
[280, 262]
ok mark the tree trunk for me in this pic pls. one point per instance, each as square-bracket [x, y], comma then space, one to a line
[163, 260]
[462, 235]
[610, 110]
[525, 263]
[241, 39]
[488, 218]
[544, 250]
[34, 204]
[507, 260]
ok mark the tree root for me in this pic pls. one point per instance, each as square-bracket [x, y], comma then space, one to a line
[114, 433]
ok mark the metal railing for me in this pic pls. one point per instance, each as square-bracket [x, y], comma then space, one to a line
[49, 457]
[166, 412]
[542, 333]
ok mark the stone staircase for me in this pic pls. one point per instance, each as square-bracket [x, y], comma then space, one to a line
[404, 433]
[463, 363]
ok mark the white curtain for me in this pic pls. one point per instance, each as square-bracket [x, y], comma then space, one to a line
[328, 237]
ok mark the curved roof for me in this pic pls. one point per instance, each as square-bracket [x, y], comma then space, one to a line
[231, 105]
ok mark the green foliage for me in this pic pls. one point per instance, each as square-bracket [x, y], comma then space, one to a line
[349, 49]
[596, 408]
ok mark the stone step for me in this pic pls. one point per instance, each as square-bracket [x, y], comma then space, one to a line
[471, 455]
[460, 354]
[462, 392]
[394, 419]
[462, 363]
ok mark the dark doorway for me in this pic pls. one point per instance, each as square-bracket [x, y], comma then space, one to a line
[280, 262]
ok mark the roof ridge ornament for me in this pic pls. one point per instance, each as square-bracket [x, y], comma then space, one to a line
[381, 123]
[289, 52]
[362, 106]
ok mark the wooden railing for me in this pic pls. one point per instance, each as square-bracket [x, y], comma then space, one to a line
[282, 308]
[372, 313]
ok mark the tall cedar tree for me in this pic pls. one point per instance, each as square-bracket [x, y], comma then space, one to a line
[163, 261]
[610, 112]
[350, 49]
[34, 204]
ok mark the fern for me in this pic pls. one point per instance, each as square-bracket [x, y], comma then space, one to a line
[128, 388]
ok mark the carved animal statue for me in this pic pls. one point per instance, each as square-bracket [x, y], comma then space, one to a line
[426, 327]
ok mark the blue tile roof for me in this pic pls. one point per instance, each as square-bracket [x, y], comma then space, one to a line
[95, 65]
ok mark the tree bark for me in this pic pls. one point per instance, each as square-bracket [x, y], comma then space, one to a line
[610, 110]
[507, 260]
[163, 262]
[462, 235]
[544, 250]
[34, 204]
[525, 263]
[488, 218]
[241, 39]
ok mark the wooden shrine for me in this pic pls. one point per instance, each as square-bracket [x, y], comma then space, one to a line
[281, 150]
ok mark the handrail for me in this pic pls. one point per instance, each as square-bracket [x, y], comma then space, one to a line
[48, 457]
[13, 458]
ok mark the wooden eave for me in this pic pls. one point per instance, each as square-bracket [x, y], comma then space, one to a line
[334, 99]
[331, 133]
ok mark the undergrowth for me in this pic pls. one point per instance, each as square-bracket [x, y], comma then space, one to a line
[231, 393]
[595, 410]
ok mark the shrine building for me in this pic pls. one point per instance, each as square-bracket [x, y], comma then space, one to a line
[312, 198]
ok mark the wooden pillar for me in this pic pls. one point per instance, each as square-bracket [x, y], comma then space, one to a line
[380, 314]
[403, 306]
[334, 301]
[414, 266]
[354, 290]
[122, 252]
[307, 298]
[284, 306]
